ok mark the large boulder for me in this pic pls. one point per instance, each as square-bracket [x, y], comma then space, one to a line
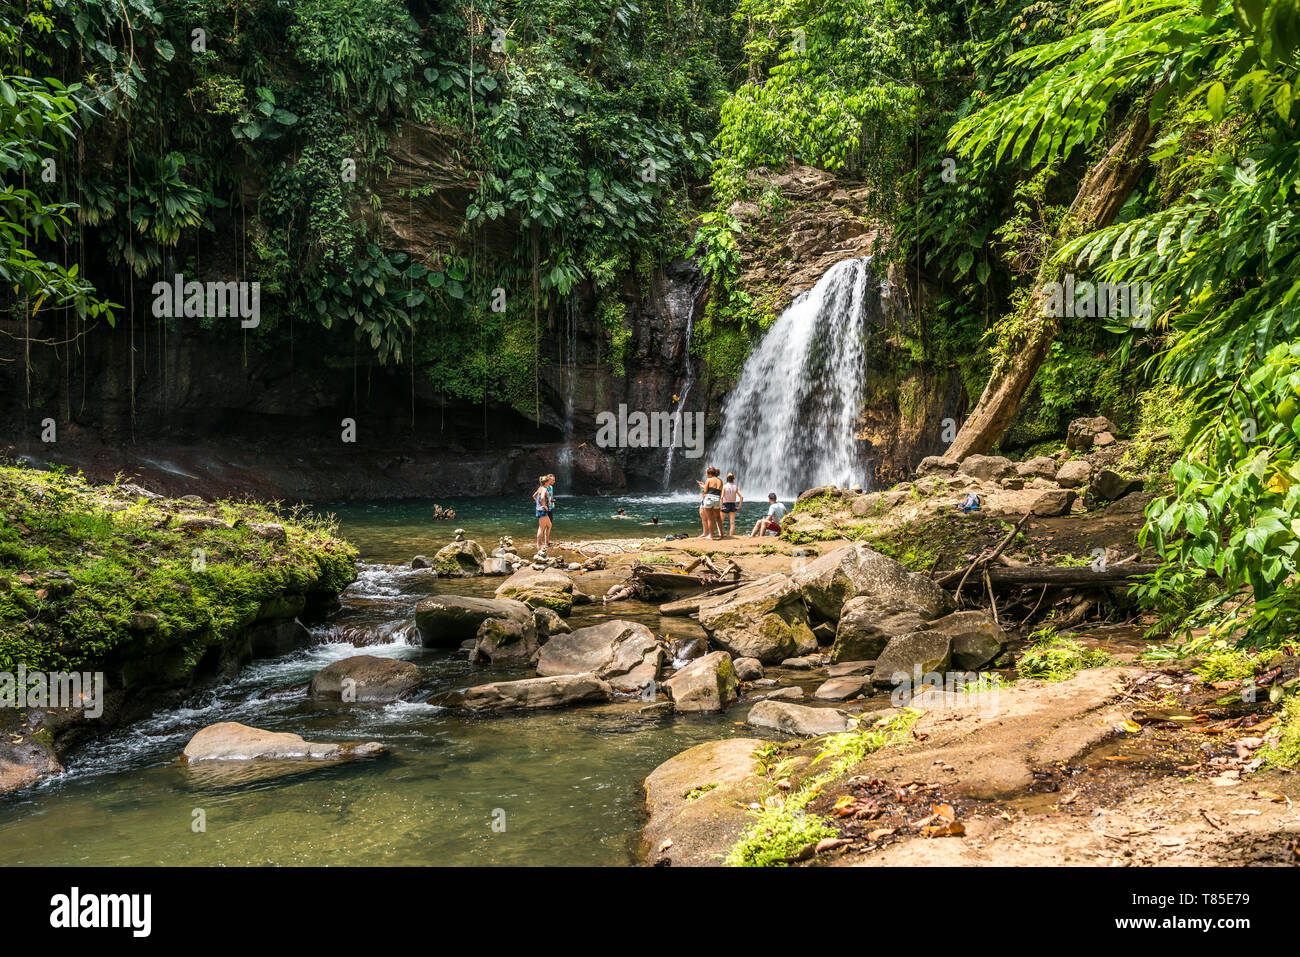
[231, 741]
[1040, 466]
[867, 624]
[799, 719]
[826, 583]
[1108, 486]
[1073, 474]
[1082, 433]
[446, 621]
[926, 650]
[549, 692]
[624, 653]
[987, 468]
[465, 557]
[937, 465]
[511, 640]
[548, 622]
[539, 588]
[765, 619]
[706, 684]
[976, 640]
[365, 678]
[1054, 502]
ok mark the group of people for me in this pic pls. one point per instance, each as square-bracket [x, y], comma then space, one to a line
[719, 498]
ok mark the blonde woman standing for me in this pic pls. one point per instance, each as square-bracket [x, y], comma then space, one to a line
[711, 503]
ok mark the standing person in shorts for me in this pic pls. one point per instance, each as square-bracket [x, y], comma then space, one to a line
[711, 503]
[543, 515]
[731, 502]
[550, 506]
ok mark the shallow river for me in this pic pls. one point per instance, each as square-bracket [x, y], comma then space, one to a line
[561, 787]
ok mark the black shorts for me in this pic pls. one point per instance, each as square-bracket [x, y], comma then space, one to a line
[730, 506]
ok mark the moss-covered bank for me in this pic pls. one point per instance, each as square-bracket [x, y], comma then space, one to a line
[150, 590]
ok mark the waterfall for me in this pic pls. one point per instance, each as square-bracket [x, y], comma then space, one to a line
[568, 364]
[680, 407]
[791, 420]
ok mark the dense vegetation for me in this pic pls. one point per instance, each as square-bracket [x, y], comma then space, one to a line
[80, 565]
[599, 137]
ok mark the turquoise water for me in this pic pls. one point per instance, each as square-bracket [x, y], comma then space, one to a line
[566, 784]
[397, 531]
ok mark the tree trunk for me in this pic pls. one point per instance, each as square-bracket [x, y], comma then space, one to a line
[1101, 195]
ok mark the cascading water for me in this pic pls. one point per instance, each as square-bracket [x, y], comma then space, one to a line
[568, 362]
[679, 409]
[791, 420]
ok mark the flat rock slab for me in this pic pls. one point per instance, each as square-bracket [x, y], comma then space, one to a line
[799, 719]
[553, 692]
[846, 668]
[841, 689]
[540, 588]
[994, 743]
[624, 653]
[232, 741]
[792, 693]
[696, 803]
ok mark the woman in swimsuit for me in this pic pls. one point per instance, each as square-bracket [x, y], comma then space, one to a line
[711, 503]
[731, 502]
[543, 514]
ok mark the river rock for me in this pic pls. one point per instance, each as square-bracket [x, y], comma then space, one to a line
[365, 678]
[842, 689]
[1108, 486]
[987, 468]
[927, 650]
[867, 625]
[851, 571]
[1040, 466]
[445, 621]
[748, 669]
[1055, 502]
[465, 557]
[937, 464]
[789, 693]
[549, 623]
[1082, 434]
[231, 741]
[976, 640]
[25, 758]
[506, 641]
[1073, 474]
[706, 684]
[799, 719]
[546, 588]
[495, 566]
[420, 562]
[846, 668]
[624, 653]
[549, 692]
[765, 619]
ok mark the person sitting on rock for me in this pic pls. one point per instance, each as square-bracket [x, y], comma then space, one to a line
[770, 524]
[971, 504]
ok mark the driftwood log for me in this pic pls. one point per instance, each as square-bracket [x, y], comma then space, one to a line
[653, 582]
[1079, 576]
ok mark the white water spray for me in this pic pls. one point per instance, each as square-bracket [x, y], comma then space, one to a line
[790, 423]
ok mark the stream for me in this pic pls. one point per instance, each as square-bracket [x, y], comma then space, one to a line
[565, 783]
